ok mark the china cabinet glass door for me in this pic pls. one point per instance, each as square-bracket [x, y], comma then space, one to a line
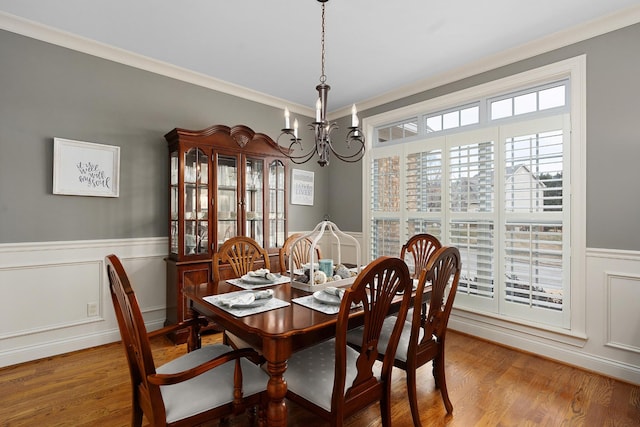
[277, 202]
[173, 211]
[227, 198]
[196, 202]
[254, 199]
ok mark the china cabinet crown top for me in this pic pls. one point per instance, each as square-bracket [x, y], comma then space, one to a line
[238, 136]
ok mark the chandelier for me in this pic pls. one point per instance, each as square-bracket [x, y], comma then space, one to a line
[322, 128]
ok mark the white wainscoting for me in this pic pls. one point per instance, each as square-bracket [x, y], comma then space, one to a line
[612, 343]
[55, 295]
[47, 287]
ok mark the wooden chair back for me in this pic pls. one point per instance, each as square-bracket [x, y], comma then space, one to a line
[297, 252]
[242, 254]
[135, 340]
[442, 273]
[418, 250]
[375, 289]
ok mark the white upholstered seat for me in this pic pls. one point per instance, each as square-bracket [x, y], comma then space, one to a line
[212, 389]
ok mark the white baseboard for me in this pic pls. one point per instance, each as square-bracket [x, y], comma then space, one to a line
[609, 348]
[609, 367]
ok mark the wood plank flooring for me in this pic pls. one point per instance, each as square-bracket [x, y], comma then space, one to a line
[489, 385]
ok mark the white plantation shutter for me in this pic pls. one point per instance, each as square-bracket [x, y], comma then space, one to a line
[385, 204]
[474, 240]
[423, 183]
[535, 258]
[423, 171]
[533, 265]
[471, 214]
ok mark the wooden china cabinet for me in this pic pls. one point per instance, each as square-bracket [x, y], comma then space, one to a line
[224, 182]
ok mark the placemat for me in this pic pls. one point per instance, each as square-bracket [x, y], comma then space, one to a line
[241, 284]
[310, 302]
[272, 304]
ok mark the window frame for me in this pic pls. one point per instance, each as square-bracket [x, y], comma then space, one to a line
[573, 69]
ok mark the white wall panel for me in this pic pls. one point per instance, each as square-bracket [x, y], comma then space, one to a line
[623, 320]
[39, 298]
[46, 286]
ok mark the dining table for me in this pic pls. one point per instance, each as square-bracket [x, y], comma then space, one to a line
[276, 332]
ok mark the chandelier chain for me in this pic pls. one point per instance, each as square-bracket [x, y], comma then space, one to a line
[323, 77]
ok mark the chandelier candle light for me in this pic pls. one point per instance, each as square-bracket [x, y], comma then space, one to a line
[322, 127]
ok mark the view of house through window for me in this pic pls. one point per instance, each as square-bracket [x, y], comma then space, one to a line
[490, 177]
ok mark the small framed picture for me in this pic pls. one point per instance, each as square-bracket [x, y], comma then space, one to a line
[301, 187]
[85, 169]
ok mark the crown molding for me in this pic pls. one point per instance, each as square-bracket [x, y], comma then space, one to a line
[71, 41]
[554, 41]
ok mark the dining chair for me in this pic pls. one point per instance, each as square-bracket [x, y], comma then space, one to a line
[416, 253]
[423, 336]
[205, 384]
[242, 254]
[418, 250]
[334, 380]
[299, 253]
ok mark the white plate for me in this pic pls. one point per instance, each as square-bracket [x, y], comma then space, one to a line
[257, 280]
[325, 298]
[256, 303]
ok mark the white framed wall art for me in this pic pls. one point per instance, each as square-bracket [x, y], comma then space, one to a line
[301, 187]
[85, 168]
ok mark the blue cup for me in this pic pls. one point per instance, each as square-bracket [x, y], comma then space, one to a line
[326, 266]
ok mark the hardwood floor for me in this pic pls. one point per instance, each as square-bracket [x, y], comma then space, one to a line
[489, 385]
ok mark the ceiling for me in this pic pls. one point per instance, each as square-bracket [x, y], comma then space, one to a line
[272, 47]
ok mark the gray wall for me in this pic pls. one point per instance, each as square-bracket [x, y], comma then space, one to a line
[613, 138]
[47, 91]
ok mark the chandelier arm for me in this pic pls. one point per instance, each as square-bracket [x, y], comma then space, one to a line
[289, 152]
[352, 158]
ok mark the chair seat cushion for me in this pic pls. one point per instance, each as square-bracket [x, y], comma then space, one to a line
[354, 336]
[209, 390]
[310, 372]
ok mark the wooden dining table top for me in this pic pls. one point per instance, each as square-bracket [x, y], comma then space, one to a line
[294, 322]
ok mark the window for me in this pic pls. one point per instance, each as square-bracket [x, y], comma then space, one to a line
[498, 191]
[405, 129]
[530, 101]
[463, 116]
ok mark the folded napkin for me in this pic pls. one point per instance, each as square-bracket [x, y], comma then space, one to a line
[332, 290]
[264, 273]
[246, 298]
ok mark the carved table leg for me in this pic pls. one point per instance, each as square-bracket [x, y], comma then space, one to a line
[276, 392]
[194, 340]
